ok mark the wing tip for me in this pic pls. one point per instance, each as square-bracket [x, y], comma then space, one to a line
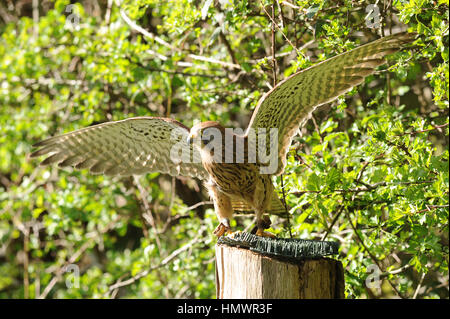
[40, 152]
[52, 159]
[34, 154]
[45, 142]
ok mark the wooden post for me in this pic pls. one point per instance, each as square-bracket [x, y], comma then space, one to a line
[241, 273]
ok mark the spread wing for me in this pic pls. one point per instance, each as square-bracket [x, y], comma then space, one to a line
[289, 104]
[132, 146]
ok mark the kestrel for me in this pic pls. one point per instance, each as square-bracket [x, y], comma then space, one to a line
[235, 173]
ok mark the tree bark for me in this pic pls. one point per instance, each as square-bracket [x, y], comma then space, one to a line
[241, 273]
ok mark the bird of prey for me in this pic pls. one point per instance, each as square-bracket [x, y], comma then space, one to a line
[234, 167]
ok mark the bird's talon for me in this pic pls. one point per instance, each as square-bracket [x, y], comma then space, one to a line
[260, 232]
[222, 229]
[266, 222]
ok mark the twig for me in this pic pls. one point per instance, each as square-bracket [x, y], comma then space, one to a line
[148, 212]
[287, 3]
[139, 29]
[59, 271]
[26, 274]
[149, 68]
[47, 81]
[374, 259]
[368, 188]
[285, 206]
[282, 54]
[419, 286]
[228, 46]
[157, 39]
[211, 60]
[388, 75]
[35, 5]
[274, 72]
[395, 271]
[435, 127]
[173, 219]
[74, 257]
[274, 23]
[198, 205]
[108, 11]
[316, 127]
[340, 210]
[172, 191]
[335, 218]
[430, 207]
[7, 18]
[274, 61]
[280, 11]
[165, 261]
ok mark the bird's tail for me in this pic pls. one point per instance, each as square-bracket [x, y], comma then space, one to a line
[276, 206]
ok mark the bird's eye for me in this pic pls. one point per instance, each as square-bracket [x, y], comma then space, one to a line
[207, 138]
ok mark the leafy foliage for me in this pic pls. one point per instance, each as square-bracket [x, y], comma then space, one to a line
[369, 170]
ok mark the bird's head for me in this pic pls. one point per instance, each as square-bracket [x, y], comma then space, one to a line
[205, 132]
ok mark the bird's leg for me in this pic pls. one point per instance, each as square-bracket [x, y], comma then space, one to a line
[266, 222]
[263, 222]
[223, 208]
[261, 202]
[223, 227]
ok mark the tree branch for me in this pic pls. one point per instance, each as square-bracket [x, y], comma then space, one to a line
[148, 215]
[164, 262]
[157, 39]
[74, 258]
